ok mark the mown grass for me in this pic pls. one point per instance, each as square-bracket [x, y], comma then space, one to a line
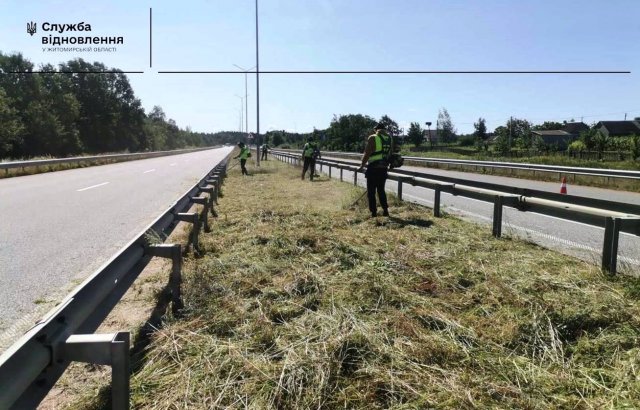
[300, 302]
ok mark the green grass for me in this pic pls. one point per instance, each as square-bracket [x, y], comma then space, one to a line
[300, 302]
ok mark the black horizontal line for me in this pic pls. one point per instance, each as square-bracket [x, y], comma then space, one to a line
[393, 72]
[74, 72]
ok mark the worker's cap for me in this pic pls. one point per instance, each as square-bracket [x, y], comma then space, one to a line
[241, 144]
[380, 126]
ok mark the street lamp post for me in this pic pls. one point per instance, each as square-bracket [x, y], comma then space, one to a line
[246, 99]
[246, 102]
[241, 110]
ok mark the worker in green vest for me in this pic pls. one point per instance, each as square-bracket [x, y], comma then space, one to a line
[375, 158]
[245, 153]
[310, 152]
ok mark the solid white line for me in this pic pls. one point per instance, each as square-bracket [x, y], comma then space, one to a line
[93, 186]
[150, 170]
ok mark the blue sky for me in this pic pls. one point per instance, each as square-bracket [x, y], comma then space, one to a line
[445, 35]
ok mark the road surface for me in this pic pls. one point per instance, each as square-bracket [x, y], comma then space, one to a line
[57, 228]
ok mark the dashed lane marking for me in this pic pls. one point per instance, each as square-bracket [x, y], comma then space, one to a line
[92, 186]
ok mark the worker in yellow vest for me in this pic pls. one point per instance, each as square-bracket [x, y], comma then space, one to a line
[245, 153]
[375, 158]
[310, 152]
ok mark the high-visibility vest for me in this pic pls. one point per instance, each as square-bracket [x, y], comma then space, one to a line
[383, 147]
[244, 153]
[309, 148]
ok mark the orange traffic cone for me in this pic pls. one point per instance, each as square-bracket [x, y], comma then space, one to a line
[563, 187]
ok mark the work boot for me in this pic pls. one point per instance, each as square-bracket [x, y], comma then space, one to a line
[374, 214]
[385, 212]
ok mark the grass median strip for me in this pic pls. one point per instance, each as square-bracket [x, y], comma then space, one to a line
[300, 302]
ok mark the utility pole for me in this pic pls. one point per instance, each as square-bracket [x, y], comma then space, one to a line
[510, 132]
[625, 116]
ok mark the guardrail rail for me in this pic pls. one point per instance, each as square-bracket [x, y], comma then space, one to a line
[79, 160]
[555, 169]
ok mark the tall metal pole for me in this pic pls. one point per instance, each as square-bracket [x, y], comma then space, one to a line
[246, 106]
[242, 115]
[246, 98]
[257, 90]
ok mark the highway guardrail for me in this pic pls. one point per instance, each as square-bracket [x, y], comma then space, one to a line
[79, 160]
[556, 169]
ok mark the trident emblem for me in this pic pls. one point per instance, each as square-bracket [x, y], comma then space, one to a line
[31, 28]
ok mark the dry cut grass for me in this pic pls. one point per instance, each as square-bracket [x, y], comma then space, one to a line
[300, 302]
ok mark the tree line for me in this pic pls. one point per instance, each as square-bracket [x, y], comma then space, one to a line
[61, 112]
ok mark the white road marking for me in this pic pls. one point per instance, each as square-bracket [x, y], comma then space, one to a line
[93, 186]
[150, 170]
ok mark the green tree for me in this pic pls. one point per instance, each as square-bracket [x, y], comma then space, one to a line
[588, 137]
[502, 145]
[11, 127]
[278, 138]
[480, 134]
[445, 129]
[349, 132]
[390, 125]
[548, 126]
[415, 135]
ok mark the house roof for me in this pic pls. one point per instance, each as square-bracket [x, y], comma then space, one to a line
[620, 127]
[554, 136]
[575, 127]
[556, 133]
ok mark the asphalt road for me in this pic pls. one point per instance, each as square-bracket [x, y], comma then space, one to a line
[57, 228]
[571, 238]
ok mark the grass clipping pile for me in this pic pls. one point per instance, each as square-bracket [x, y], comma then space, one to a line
[300, 302]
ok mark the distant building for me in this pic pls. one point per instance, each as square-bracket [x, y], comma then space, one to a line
[560, 137]
[618, 128]
[575, 128]
[431, 136]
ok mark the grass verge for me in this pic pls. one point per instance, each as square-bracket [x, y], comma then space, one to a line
[301, 302]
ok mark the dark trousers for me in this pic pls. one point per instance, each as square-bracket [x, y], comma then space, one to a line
[376, 179]
[264, 154]
[243, 162]
[309, 163]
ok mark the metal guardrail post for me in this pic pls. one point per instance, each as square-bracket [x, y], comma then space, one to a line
[355, 178]
[610, 246]
[204, 216]
[329, 170]
[173, 251]
[105, 349]
[497, 216]
[436, 201]
[341, 174]
[191, 217]
[215, 184]
[400, 189]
